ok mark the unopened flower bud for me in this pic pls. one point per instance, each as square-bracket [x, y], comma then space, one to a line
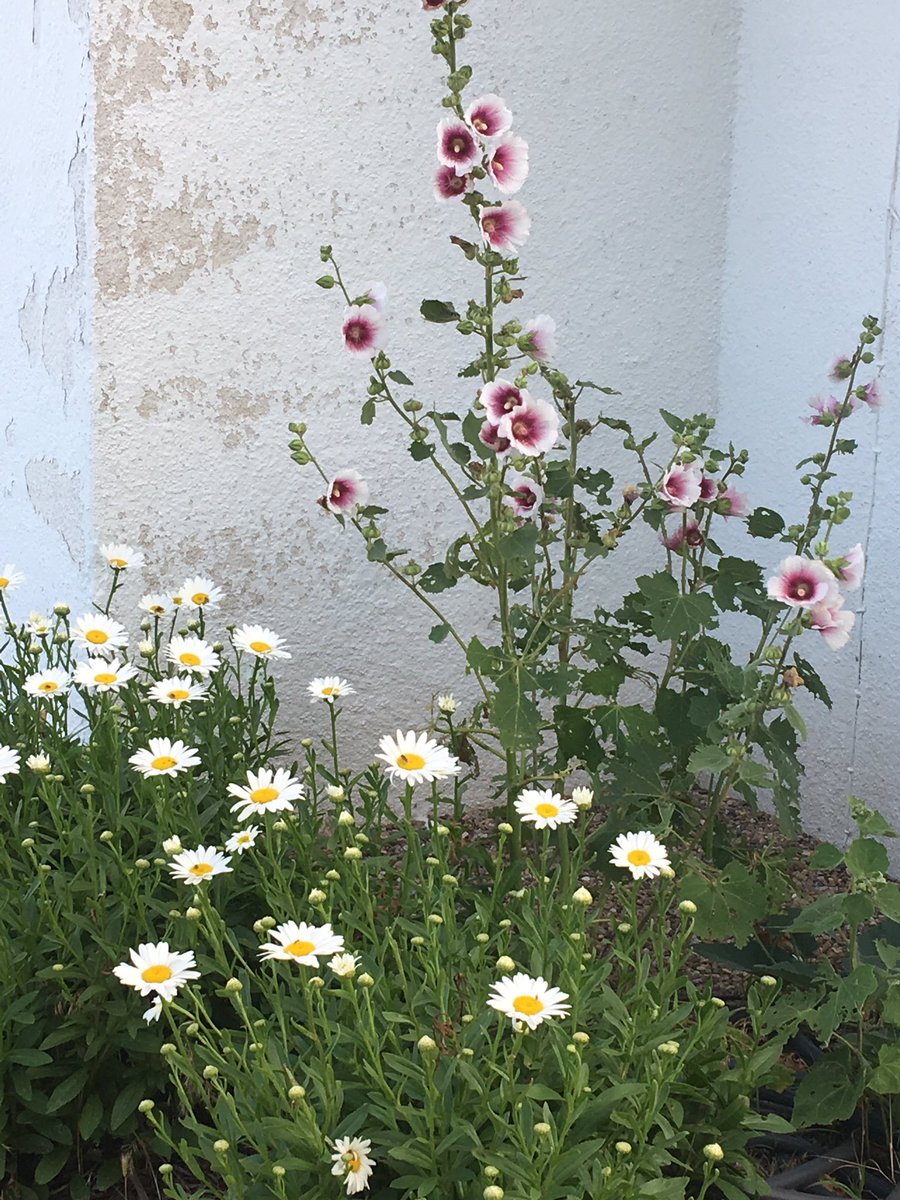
[623, 1147]
[316, 981]
[768, 981]
[624, 927]
[221, 1146]
[431, 861]
[366, 980]
[333, 875]
[27, 843]
[582, 797]
[317, 896]
[435, 919]
[426, 1044]
[450, 880]
[505, 828]
[505, 923]
[582, 896]
[193, 914]
[542, 1129]
[670, 1048]
[505, 963]
[713, 1152]
[167, 1049]
[165, 1169]
[142, 864]
[146, 1106]
[353, 853]
[447, 704]
[334, 793]
[278, 1171]
[146, 649]
[581, 1037]
[688, 907]
[491, 1172]
[492, 1192]
[233, 985]
[172, 845]
[345, 818]
[62, 609]
[296, 1092]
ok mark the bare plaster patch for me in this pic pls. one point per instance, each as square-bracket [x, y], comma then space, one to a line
[56, 496]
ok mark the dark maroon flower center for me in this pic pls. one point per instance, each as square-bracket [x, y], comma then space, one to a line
[356, 332]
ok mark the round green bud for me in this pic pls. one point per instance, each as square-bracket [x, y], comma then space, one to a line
[221, 1146]
[210, 1072]
[146, 1106]
[297, 1092]
[233, 985]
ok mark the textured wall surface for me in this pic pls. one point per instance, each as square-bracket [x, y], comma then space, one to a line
[45, 397]
[232, 139]
[811, 248]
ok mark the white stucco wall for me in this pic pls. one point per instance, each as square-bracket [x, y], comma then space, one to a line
[45, 393]
[810, 250]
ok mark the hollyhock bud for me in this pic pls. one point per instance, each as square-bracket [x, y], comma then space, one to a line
[688, 534]
[347, 490]
[802, 582]
[489, 116]
[489, 435]
[538, 338]
[456, 145]
[733, 503]
[525, 497]
[833, 622]
[448, 185]
[505, 226]
[840, 368]
[532, 427]
[871, 393]
[363, 329]
[681, 486]
[507, 163]
[852, 568]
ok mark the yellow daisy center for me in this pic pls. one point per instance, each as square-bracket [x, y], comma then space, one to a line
[4, 582]
[179, 694]
[97, 636]
[328, 691]
[189, 659]
[201, 869]
[200, 598]
[353, 1161]
[264, 795]
[638, 858]
[157, 609]
[118, 563]
[529, 1005]
[158, 974]
[106, 677]
[410, 762]
[165, 762]
[546, 809]
[260, 647]
[300, 949]
[48, 685]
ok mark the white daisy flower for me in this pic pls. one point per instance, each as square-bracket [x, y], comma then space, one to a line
[344, 965]
[104, 675]
[329, 688]
[37, 625]
[266, 791]
[51, 682]
[176, 598]
[302, 943]
[10, 761]
[171, 845]
[155, 604]
[531, 1001]
[10, 578]
[154, 1012]
[154, 968]
[99, 634]
[176, 690]
[39, 763]
[120, 557]
[353, 1163]
[242, 839]
[416, 758]
[582, 797]
[545, 809]
[447, 704]
[639, 853]
[164, 757]
[200, 592]
[256, 639]
[192, 653]
[193, 866]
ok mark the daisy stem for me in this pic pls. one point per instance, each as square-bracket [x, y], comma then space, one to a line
[334, 743]
[565, 862]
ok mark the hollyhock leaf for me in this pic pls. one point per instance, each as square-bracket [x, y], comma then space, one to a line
[399, 377]
[576, 736]
[598, 483]
[607, 391]
[438, 633]
[514, 713]
[822, 916]
[658, 587]
[728, 906]
[869, 822]
[858, 908]
[676, 424]
[885, 1079]
[866, 857]
[794, 718]
[812, 681]
[520, 544]
[737, 581]
[487, 660]
[683, 615]
[421, 450]
[672, 711]
[440, 312]
[459, 452]
[764, 523]
[709, 758]
[559, 480]
[367, 413]
[829, 1091]
[377, 551]
[825, 857]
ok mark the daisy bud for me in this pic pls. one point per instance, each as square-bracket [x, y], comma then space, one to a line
[582, 896]
[233, 985]
[256, 1047]
[606, 1172]
[87, 789]
[582, 797]
[165, 1169]
[624, 927]
[688, 907]
[142, 863]
[450, 880]
[145, 625]
[435, 919]
[39, 763]
[768, 981]
[317, 896]
[146, 649]
[468, 1018]
[623, 1147]
[316, 981]
[61, 610]
[670, 1048]
[333, 875]
[46, 868]
[192, 1030]
[279, 1172]
[60, 639]
[353, 853]
[167, 1049]
[193, 914]
[542, 1129]
[491, 1172]
[505, 924]
[296, 1092]
[418, 940]
[713, 1152]
[442, 831]
[175, 914]
[581, 1037]
[571, 1048]
[221, 1146]
[426, 1044]
[334, 793]
[366, 980]
[306, 743]
[447, 704]
[575, 937]
[280, 826]
[172, 845]
[717, 1001]
[482, 938]
[146, 1106]
[27, 843]
[58, 967]
[667, 872]
[467, 1052]
[506, 964]
[505, 828]
[492, 1192]
[431, 861]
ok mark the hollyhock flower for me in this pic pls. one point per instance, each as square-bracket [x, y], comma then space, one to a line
[505, 226]
[489, 116]
[872, 394]
[449, 185]
[852, 567]
[347, 490]
[681, 486]
[532, 428]
[456, 145]
[826, 410]
[538, 338]
[833, 621]
[489, 435]
[683, 534]
[802, 582]
[363, 329]
[525, 498]
[500, 397]
[736, 502]
[839, 368]
[507, 163]
[433, 5]
[377, 294]
[709, 488]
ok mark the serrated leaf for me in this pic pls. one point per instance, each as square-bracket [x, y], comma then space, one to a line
[828, 1092]
[709, 758]
[866, 857]
[514, 712]
[885, 1079]
[822, 916]
[765, 523]
[438, 633]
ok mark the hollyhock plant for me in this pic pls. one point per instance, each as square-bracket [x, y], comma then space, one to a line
[507, 163]
[457, 146]
[450, 185]
[833, 621]
[532, 427]
[346, 492]
[802, 582]
[363, 329]
[538, 338]
[525, 497]
[505, 226]
[489, 116]
[681, 486]
[500, 397]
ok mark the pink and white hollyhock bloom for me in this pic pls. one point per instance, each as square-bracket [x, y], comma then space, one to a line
[686, 534]
[827, 406]
[802, 583]
[457, 146]
[839, 368]
[737, 505]
[489, 116]
[489, 435]
[538, 338]
[853, 567]
[448, 185]
[681, 486]
[363, 329]
[833, 621]
[377, 293]
[500, 397]
[525, 498]
[507, 163]
[347, 491]
[505, 226]
[532, 428]
[872, 394]
[709, 488]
